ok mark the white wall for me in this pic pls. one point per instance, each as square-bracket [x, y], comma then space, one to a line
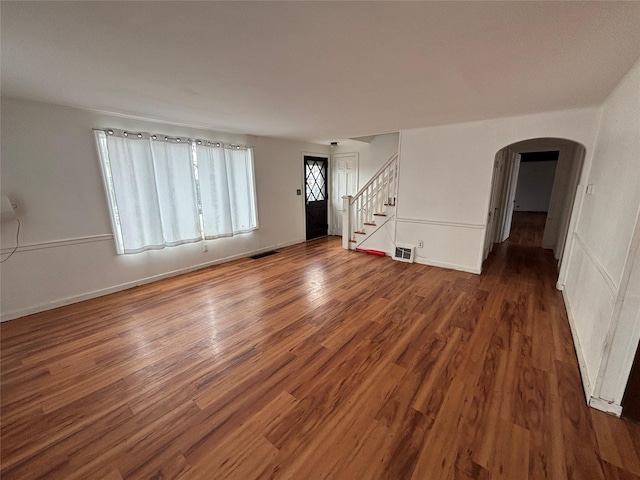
[445, 179]
[535, 182]
[600, 249]
[371, 155]
[381, 148]
[50, 169]
[624, 332]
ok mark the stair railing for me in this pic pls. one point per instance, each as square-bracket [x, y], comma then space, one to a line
[372, 198]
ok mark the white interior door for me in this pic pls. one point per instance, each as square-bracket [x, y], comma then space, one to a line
[558, 192]
[493, 216]
[514, 165]
[344, 182]
[568, 201]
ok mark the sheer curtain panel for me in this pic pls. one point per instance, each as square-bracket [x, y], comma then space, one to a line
[177, 198]
[227, 190]
[214, 192]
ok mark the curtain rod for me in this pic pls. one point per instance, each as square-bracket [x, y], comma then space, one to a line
[133, 135]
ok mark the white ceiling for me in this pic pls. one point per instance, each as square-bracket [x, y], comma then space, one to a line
[317, 71]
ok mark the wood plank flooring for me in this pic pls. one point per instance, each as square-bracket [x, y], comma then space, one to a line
[315, 362]
[527, 228]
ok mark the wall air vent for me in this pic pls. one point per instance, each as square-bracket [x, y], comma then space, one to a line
[404, 253]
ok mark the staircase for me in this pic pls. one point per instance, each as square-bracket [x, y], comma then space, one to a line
[367, 214]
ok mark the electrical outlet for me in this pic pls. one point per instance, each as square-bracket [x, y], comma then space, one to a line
[205, 247]
[420, 244]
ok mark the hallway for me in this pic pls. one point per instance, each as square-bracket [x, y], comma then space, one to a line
[527, 228]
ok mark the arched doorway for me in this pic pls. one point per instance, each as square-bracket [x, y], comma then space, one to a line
[511, 173]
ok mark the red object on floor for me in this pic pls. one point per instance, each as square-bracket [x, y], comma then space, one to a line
[372, 252]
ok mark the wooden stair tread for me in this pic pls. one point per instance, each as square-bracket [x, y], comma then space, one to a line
[379, 214]
[361, 233]
[373, 224]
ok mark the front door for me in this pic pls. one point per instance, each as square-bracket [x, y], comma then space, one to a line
[315, 174]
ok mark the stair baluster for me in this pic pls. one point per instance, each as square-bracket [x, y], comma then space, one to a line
[373, 197]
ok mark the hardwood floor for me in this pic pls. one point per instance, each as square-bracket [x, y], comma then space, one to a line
[315, 362]
[527, 228]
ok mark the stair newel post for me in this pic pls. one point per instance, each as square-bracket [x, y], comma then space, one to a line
[346, 221]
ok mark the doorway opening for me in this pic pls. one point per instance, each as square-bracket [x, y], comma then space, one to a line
[344, 181]
[315, 196]
[532, 197]
[533, 192]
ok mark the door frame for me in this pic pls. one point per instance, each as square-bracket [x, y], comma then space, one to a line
[304, 186]
[512, 173]
[506, 167]
[565, 204]
[495, 202]
[563, 193]
[332, 161]
[562, 205]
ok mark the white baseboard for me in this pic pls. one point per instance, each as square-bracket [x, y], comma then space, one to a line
[594, 402]
[606, 406]
[6, 316]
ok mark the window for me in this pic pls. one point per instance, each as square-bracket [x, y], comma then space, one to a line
[166, 191]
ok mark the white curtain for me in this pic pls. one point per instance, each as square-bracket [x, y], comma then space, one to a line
[176, 188]
[227, 190]
[242, 189]
[151, 191]
[173, 191]
[214, 192]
